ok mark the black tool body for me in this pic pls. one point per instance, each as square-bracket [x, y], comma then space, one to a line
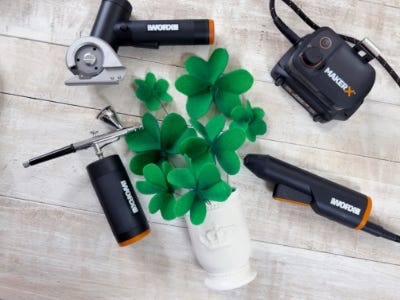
[118, 199]
[113, 26]
[325, 197]
[325, 75]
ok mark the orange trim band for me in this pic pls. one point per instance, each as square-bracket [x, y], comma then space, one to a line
[211, 31]
[292, 202]
[365, 217]
[135, 239]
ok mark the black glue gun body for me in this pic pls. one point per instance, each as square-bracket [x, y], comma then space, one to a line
[325, 197]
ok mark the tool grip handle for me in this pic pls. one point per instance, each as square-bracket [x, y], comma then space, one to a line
[155, 33]
[326, 198]
[51, 155]
[118, 199]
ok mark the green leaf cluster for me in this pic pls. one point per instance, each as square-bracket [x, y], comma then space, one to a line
[202, 145]
[152, 91]
[205, 83]
[250, 120]
[215, 144]
[156, 183]
[202, 186]
[153, 144]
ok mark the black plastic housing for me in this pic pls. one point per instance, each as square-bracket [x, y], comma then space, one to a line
[113, 26]
[118, 199]
[325, 75]
[110, 13]
[325, 197]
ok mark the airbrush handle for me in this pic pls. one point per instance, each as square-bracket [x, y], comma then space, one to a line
[97, 141]
[48, 156]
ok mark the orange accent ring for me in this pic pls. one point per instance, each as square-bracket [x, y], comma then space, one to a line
[292, 202]
[326, 38]
[135, 238]
[365, 217]
[211, 31]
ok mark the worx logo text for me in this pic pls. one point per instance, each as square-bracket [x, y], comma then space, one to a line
[129, 197]
[162, 27]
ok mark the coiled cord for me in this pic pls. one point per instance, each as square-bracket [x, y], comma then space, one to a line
[294, 38]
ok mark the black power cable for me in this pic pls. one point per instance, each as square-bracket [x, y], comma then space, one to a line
[294, 38]
[370, 227]
[381, 232]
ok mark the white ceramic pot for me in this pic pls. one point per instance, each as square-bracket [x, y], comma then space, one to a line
[222, 245]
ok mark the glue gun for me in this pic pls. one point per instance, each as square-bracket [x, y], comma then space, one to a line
[94, 59]
[326, 198]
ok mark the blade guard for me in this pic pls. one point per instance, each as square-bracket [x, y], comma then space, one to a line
[112, 69]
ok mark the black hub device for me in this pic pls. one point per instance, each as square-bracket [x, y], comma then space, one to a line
[325, 75]
[322, 72]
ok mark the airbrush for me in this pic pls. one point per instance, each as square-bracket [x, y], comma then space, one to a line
[94, 59]
[110, 181]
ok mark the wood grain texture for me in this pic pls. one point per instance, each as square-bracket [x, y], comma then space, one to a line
[70, 254]
[261, 44]
[55, 242]
[289, 123]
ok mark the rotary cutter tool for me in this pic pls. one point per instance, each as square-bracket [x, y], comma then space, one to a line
[94, 59]
[326, 198]
[110, 181]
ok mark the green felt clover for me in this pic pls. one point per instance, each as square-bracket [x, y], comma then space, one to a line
[203, 186]
[250, 120]
[155, 145]
[206, 84]
[156, 183]
[152, 91]
[215, 144]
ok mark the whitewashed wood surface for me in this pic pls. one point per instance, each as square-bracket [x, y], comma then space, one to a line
[55, 242]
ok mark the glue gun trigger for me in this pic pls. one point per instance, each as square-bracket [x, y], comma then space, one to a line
[286, 194]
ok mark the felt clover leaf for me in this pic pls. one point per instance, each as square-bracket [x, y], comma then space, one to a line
[155, 145]
[215, 143]
[156, 183]
[204, 186]
[152, 91]
[206, 84]
[250, 120]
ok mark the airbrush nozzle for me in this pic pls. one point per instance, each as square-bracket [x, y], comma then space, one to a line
[110, 117]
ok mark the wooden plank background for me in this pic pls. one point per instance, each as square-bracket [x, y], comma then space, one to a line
[54, 239]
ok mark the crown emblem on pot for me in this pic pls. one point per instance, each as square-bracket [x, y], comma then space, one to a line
[218, 237]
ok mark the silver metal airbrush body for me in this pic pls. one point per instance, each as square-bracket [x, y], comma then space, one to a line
[97, 142]
[110, 181]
